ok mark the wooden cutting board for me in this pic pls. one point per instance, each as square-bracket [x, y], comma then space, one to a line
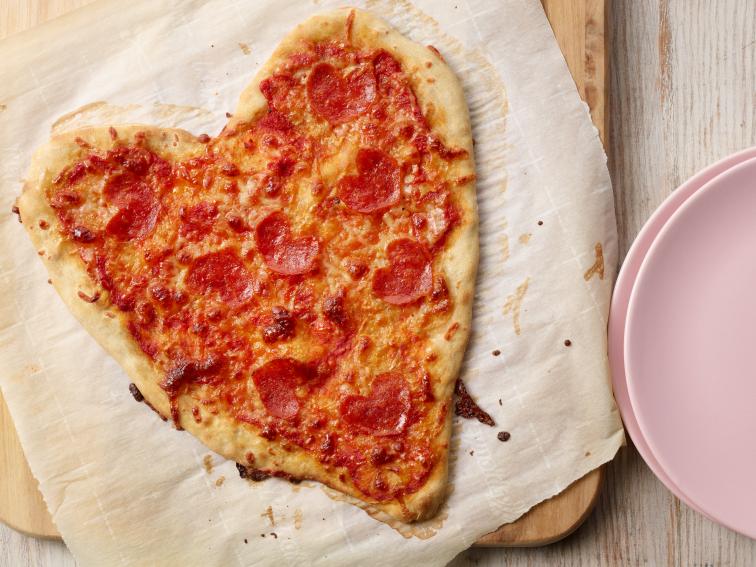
[580, 29]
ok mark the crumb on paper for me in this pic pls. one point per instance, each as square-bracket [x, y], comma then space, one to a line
[297, 519]
[246, 50]
[466, 407]
[220, 480]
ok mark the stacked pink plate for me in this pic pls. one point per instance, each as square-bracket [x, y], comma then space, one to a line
[682, 342]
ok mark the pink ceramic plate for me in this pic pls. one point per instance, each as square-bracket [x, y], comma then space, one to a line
[690, 348]
[621, 298]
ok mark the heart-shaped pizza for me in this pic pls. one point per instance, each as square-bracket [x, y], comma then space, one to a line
[295, 292]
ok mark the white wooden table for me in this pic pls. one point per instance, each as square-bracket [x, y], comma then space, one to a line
[683, 95]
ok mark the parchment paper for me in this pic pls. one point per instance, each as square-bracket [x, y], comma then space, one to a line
[125, 488]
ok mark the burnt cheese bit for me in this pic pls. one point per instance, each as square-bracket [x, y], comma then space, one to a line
[249, 473]
[82, 234]
[135, 392]
[333, 308]
[467, 408]
[281, 326]
[89, 298]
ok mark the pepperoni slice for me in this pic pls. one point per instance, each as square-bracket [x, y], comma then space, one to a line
[338, 98]
[220, 272]
[409, 275]
[137, 206]
[135, 220]
[377, 184]
[282, 253]
[385, 411]
[276, 382]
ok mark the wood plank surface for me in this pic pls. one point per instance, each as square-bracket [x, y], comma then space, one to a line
[702, 56]
[579, 27]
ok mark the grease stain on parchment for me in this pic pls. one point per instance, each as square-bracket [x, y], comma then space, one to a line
[598, 265]
[99, 113]
[513, 305]
[420, 530]
[207, 463]
[269, 514]
[297, 519]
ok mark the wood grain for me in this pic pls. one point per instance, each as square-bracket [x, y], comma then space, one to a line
[579, 27]
[21, 504]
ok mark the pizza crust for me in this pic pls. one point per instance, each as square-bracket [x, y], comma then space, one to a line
[442, 100]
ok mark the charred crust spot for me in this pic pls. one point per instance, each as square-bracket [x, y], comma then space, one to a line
[203, 138]
[134, 391]
[43, 224]
[253, 474]
[113, 133]
[188, 371]
[82, 143]
[89, 298]
[467, 408]
[184, 373]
